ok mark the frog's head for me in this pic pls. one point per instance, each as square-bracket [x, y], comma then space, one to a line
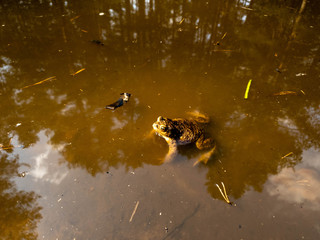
[162, 127]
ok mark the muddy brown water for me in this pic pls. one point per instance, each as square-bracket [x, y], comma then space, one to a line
[71, 169]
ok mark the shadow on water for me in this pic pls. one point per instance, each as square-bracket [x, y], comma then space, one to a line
[172, 57]
[175, 232]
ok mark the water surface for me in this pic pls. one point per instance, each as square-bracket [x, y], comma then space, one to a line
[71, 169]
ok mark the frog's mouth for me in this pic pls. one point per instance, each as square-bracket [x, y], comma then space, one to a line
[156, 128]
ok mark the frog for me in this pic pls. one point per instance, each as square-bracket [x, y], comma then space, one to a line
[182, 131]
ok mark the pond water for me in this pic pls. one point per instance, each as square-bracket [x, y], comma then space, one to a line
[71, 169]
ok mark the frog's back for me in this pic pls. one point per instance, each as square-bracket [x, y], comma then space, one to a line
[187, 131]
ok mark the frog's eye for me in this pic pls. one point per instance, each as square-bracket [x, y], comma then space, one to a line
[162, 127]
[160, 119]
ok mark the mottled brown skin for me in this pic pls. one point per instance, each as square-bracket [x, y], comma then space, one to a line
[179, 131]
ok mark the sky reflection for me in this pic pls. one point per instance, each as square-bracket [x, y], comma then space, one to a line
[300, 184]
[42, 159]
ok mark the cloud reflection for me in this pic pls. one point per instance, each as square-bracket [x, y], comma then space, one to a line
[44, 161]
[300, 185]
[118, 124]
[40, 169]
[5, 68]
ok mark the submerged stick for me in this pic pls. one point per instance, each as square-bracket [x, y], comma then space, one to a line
[285, 93]
[134, 211]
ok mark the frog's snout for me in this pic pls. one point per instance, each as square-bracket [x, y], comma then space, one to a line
[155, 126]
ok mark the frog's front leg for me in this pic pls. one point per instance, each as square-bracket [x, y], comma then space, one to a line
[173, 151]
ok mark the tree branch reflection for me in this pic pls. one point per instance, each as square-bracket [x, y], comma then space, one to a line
[19, 212]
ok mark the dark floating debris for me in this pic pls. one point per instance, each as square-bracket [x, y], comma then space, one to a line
[22, 174]
[124, 97]
[98, 42]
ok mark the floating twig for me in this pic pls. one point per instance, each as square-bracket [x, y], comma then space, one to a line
[218, 42]
[223, 50]
[247, 90]
[72, 19]
[37, 83]
[287, 155]
[181, 21]
[6, 147]
[245, 8]
[134, 211]
[82, 69]
[224, 193]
